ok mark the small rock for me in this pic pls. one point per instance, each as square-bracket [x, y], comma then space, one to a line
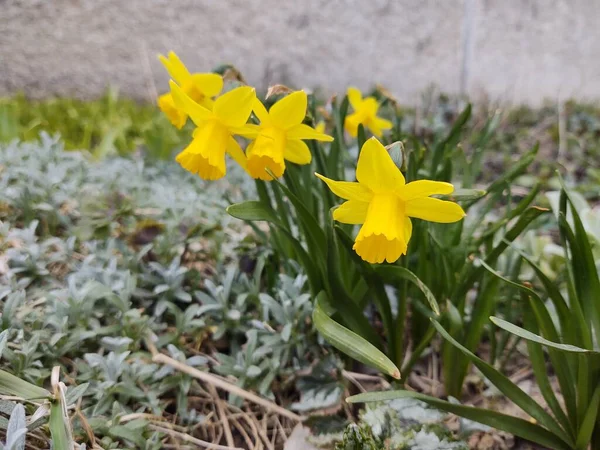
[298, 439]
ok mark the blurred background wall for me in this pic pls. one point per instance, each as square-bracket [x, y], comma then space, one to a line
[516, 51]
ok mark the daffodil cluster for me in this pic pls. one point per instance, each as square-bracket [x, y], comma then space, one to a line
[278, 137]
[381, 201]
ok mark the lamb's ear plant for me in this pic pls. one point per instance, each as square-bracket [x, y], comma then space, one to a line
[562, 334]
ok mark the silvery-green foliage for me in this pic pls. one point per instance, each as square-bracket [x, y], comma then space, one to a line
[286, 333]
[95, 260]
[16, 430]
[30, 257]
[52, 176]
[250, 367]
[227, 306]
[167, 282]
[12, 301]
[118, 378]
[3, 341]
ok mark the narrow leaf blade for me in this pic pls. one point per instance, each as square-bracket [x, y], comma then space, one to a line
[352, 344]
[14, 386]
[521, 332]
[510, 424]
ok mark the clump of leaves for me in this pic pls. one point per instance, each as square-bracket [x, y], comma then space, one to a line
[86, 286]
[402, 424]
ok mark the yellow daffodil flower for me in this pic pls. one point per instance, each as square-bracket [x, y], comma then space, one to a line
[200, 87]
[213, 137]
[383, 203]
[280, 136]
[365, 112]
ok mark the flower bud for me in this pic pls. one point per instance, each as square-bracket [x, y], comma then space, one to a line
[396, 151]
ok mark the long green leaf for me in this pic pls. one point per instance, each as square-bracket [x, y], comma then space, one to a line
[376, 286]
[352, 344]
[514, 329]
[515, 212]
[338, 146]
[548, 327]
[587, 280]
[339, 296]
[553, 292]
[564, 371]
[58, 427]
[474, 273]
[504, 422]
[583, 335]
[589, 421]
[538, 363]
[14, 386]
[252, 211]
[258, 211]
[508, 388]
[391, 274]
[316, 236]
[282, 208]
[361, 136]
[456, 366]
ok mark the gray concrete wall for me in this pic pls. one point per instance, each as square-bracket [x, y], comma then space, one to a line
[509, 50]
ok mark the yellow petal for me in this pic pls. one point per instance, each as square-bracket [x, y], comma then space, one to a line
[302, 131]
[175, 116]
[407, 229]
[236, 152]
[210, 140]
[260, 159]
[385, 216]
[376, 249]
[183, 102]
[376, 169]
[374, 129]
[352, 212]
[261, 112]
[351, 124]
[354, 97]
[369, 107]
[210, 84]
[201, 166]
[434, 210]
[348, 190]
[249, 131]
[234, 107]
[385, 233]
[382, 124]
[377, 125]
[175, 67]
[424, 188]
[297, 152]
[289, 111]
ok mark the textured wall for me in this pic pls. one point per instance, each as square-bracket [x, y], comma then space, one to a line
[514, 50]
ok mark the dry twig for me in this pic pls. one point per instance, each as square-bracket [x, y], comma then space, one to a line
[191, 439]
[226, 386]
